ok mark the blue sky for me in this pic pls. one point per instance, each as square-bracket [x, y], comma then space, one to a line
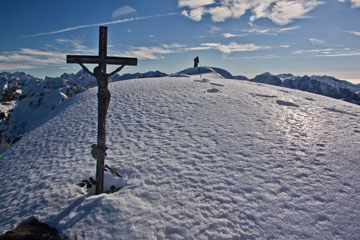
[245, 37]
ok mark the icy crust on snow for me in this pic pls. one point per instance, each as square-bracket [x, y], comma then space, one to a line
[204, 158]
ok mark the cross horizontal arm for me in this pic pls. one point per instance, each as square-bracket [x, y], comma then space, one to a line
[97, 60]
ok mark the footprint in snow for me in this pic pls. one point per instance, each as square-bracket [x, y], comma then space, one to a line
[263, 95]
[284, 91]
[322, 218]
[213, 90]
[217, 84]
[288, 104]
[204, 80]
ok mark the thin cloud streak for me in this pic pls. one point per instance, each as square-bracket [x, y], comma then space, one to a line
[99, 24]
[28, 58]
[230, 35]
[344, 54]
[354, 33]
[261, 31]
[316, 41]
[328, 52]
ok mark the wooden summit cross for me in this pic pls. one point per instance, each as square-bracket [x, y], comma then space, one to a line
[99, 150]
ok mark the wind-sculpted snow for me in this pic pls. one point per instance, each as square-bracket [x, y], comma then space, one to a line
[203, 158]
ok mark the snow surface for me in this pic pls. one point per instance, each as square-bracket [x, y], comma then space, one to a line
[206, 158]
[218, 72]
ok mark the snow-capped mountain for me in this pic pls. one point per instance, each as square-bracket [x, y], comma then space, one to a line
[127, 76]
[323, 85]
[267, 78]
[27, 102]
[202, 158]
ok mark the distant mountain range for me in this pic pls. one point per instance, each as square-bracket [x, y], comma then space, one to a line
[27, 101]
[323, 85]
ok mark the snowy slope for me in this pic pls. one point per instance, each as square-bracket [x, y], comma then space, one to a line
[203, 158]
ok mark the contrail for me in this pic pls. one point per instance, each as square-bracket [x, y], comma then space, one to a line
[99, 24]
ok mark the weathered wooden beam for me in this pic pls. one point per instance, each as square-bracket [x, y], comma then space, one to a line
[103, 47]
[97, 60]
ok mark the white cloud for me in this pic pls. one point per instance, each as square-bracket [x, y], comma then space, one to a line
[284, 12]
[14, 66]
[316, 41]
[230, 35]
[233, 47]
[281, 12]
[76, 46]
[340, 54]
[214, 29]
[268, 56]
[354, 3]
[157, 52]
[200, 48]
[28, 58]
[260, 31]
[288, 29]
[122, 11]
[354, 33]
[220, 13]
[194, 3]
[317, 51]
[194, 14]
[148, 52]
[328, 52]
[270, 31]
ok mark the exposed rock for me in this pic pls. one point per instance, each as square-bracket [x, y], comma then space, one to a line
[31, 229]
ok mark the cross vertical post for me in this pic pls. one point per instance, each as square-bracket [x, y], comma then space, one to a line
[103, 47]
[103, 102]
[99, 150]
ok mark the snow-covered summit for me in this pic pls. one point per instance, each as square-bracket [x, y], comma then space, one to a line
[27, 102]
[219, 72]
[203, 158]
